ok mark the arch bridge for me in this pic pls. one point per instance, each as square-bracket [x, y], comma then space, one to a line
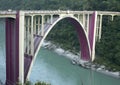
[26, 30]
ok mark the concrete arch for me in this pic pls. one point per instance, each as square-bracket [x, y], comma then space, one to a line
[82, 35]
[83, 40]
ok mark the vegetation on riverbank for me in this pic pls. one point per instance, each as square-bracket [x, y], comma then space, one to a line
[30, 83]
[37, 83]
[107, 50]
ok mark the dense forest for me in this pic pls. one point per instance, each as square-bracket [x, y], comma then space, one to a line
[107, 50]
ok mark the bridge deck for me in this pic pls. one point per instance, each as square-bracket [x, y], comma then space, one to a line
[12, 13]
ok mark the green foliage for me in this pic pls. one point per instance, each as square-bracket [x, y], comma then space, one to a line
[112, 5]
[109, 47]
[37, 83]
[28, 83]
[65, 35]
[41, 83]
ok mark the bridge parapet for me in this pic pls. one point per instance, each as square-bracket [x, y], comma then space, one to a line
[38, 12]
[5, 14]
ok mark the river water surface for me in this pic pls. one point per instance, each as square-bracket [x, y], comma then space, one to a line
[56, 69]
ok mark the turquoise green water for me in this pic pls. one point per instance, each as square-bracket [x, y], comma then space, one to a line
[56, 69]
[2, 51]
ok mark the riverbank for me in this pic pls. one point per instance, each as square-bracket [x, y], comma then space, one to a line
[75, 59]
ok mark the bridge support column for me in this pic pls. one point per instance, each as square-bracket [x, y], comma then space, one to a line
[92, 33]
[100, 28]
[12, 53]
[35, 30]
[15, 50]
[32, 37]
[27, 36]
[38, 33]
[87, 29]
[51, 20]
[83, 20]
[42, 28]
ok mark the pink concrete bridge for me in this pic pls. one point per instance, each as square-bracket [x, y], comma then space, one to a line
[26, 30]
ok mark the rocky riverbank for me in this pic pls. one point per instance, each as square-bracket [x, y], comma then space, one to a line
[75, 59]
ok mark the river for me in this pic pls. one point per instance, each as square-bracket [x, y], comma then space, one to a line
[56, 69]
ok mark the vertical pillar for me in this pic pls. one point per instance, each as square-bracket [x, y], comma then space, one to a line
[83, 20]
[12, 66]
[78, 17]
[92, 34]
[47, 20]
[25, 37]
[97, 27]
[112, 16]
[38, 25]
[42, 28]
[35, 31]
[20, 18]
[28, 33]
[32, 37]
[87, 25]
[100, 28]
[15, 49]
[51, 19]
